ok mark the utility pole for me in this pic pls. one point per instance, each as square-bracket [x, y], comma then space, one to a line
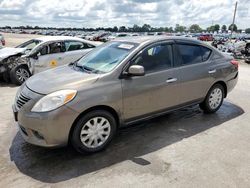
[235, 9]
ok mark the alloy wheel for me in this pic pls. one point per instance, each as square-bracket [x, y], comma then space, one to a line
[22, 74]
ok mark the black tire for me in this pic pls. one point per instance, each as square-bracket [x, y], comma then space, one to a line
[206, 106]
[15, 78]
[75, 136]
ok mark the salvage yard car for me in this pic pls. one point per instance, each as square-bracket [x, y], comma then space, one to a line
[119, 83]
[36, 55]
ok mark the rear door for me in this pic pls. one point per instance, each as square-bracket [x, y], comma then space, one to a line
[158, 89]
[75, 50]
[196, 71]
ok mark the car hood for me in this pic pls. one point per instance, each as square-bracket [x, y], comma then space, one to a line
[64, 77]
[7, 52]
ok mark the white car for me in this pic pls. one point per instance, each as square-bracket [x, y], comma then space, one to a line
[18, 64]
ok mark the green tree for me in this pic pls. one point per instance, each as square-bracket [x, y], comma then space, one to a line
[115, 29]
[122, 29]
[171, 30]
[179, 28]
[233, 27]
[247, 30]
[224, 28]
[195, 28]
[136, 28]
[211, 28]
[216, 27]
[146, 28]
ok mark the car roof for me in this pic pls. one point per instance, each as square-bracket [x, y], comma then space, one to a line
[55, 38]
[60, 38]
[151, 39]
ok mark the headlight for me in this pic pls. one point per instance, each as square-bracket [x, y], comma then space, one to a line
[54, 100]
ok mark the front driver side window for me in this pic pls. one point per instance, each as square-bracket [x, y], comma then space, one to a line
[155, 58]
[56, 47]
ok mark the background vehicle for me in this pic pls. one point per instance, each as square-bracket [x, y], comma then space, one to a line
[122, 82]
[11, 57]
[206, 37]
[41, 54]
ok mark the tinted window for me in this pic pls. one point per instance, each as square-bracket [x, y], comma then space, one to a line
[189, 54]
[205, 52]
[76, 45]
[155, 58]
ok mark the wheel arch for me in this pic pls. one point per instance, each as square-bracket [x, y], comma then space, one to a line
[98, 107]
[224, 85]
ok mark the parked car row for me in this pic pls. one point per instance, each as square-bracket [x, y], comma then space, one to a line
[36, 55]
[121, 82]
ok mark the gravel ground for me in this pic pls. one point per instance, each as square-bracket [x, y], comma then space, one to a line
[185, 148]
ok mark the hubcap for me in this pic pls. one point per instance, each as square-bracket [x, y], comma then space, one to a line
[95, 132]
[215, 98]
[22, 74]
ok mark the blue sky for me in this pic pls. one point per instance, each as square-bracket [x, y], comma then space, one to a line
[108, 13]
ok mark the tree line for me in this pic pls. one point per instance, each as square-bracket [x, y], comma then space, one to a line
[195, 28]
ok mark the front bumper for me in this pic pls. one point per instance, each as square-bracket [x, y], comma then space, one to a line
[47, 129]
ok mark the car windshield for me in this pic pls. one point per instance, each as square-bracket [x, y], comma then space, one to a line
[29, 45]
[106, 57]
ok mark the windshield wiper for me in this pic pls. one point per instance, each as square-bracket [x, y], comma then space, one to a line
[84, 68]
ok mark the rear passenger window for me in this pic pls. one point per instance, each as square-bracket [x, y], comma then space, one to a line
[205, 52]
[189, 54]
[76, 45]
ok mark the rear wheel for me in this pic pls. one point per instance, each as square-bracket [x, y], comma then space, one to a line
[19, 74]
[93, 132]
[214, 99]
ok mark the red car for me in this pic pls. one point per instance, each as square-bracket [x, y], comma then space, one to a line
[206, 37]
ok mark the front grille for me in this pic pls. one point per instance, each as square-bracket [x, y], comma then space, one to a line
[21, 100]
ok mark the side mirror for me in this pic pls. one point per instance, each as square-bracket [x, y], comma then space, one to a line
[36, 56]
[136, 70]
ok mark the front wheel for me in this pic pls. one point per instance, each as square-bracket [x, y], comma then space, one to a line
[214, 99]
[19, 74]
[93, 132]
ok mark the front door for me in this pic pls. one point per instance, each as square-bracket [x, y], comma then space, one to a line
[49, 56]
[158, 89]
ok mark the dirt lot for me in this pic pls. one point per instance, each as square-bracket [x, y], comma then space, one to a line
[182, 149]
[13, 40]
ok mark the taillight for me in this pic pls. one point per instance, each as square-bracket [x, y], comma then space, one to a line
[235, 63]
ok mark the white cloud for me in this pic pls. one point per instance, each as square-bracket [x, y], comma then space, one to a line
[98, 13]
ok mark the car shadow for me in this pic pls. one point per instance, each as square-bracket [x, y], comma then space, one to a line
[56, 165]
[5, 84]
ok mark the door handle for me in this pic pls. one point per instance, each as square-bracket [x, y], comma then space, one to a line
[212, 71]
[171, 80]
